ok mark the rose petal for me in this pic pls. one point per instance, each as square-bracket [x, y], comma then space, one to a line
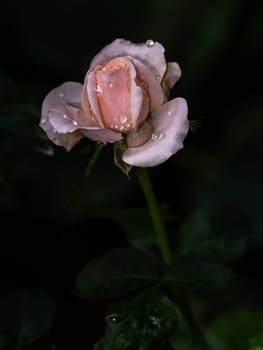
[62, 120]
[63, 110]
[154, 88]
[69, 92]
[57, 120]
[151, 55]
[119, 98]
[102, 135]
[68, 140]
[172, 75]
[89, 97]
[64, 125]
[170, 126]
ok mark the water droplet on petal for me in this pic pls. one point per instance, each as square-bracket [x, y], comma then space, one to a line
[150, 42]
[98, 88]
[158, 77]
[75, 123]
[61, 95]
[110, 85]
[161, 136]
[169, 113]
[43, 121]
[65, 117]
[123, 118]
[154, 136]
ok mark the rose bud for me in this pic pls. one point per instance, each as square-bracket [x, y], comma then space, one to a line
[125, 96]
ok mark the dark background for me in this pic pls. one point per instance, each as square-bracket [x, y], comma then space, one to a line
[48, 226]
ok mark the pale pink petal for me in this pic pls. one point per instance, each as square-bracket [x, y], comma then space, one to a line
[69, 92]
[65, 123]
[57, 121]
[152, 82]
[170, 125]
[68, 140]
[89, 97]
[102, 135]
[172, 75]
[118, 96]
[150, 53]
[114, 97]
[62, 109]
[138, 98]
[62, 120]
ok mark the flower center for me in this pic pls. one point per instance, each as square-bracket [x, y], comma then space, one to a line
[113, 89]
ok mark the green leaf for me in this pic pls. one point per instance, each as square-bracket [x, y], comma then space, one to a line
[232, 329]
[116, 273]
[119, 148]
[136, 323]
[201, 275]
[217, 233]
[25, 315]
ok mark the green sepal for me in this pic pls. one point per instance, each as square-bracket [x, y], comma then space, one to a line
[119, 149]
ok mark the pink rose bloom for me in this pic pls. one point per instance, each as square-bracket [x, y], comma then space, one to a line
[124, 97]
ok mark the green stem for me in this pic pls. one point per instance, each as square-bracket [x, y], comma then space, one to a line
[158, 224]
[194, 326]
[93, 159]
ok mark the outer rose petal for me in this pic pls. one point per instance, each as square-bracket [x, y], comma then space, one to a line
[56, 120]
[69, 92]
[170, 126]
[68, 140]
[155, 90]
[89, 97]
[65, 123]
[150, 55]
[172, 75]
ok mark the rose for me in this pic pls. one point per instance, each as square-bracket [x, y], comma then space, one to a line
[124, 97]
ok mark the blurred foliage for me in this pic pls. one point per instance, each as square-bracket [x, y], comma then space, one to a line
[116, 273]
[55, 220]
[256, 342]
[233, 329]
[227, 330]
[26, 315]
[218, 233]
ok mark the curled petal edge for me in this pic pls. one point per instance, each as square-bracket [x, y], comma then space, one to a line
[170, 126]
